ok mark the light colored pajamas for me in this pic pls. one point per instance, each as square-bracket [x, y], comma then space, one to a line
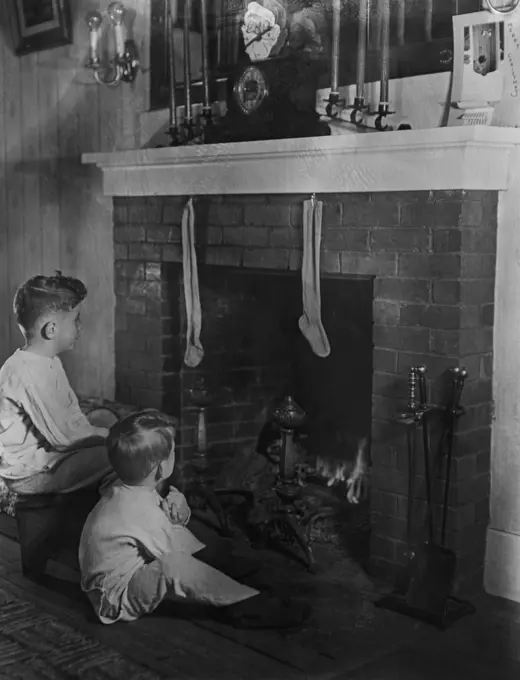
[132, 557]
[47, 445]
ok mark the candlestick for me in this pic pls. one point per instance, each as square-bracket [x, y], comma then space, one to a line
[93, 20]
[361, 50]
[116, 12]
[385, 52]
[171, 18]
[336, 15]
[205, 67]
[187, 63]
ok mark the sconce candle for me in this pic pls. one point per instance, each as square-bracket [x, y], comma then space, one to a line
[187, 63]
[116, 12]
[93, 20]
[385, 51]
[336, 15]
[205, 67]
[171, 18]
[361, 50]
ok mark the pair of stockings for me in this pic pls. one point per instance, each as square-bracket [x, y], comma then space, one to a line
[310, 321]
[194, 352]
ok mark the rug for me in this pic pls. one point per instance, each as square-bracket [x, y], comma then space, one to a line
[35, 645]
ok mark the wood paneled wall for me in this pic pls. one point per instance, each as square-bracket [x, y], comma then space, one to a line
[52, 211]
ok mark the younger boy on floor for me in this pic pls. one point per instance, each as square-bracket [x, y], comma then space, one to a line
[136, 550]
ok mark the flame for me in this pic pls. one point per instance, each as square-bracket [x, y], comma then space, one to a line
[340, 471]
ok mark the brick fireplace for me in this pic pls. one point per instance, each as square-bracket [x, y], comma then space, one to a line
[416, 215]
[431, 258]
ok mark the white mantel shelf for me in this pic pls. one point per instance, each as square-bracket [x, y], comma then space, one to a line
[412, 160]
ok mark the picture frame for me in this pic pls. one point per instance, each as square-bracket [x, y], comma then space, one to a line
[40, 25]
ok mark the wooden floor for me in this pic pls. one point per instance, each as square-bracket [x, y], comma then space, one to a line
[347, 637]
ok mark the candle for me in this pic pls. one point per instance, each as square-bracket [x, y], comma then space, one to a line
[93, 20]
[116, 12]
[187, 64]
[205, 78]
[336, 11]
[385, 50]
[171, 17]
[361, 49]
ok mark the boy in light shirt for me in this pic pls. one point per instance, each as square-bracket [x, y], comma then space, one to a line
[136, 550]
[47, 444]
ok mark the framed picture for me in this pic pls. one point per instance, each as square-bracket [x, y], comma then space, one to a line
[40, 24]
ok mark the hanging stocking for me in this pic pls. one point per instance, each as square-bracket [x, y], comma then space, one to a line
[310, 321]
[194, 351]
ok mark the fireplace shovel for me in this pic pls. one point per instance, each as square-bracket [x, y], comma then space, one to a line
[432, 567]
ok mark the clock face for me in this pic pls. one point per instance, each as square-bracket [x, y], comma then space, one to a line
[251, 89]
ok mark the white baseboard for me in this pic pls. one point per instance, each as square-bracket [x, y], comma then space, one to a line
[502, 567]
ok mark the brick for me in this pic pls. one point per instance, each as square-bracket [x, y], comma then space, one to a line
[172, 212]
[144, 251]
[130, 270]
[161, 234]
[385, 360]
[479, 241]
[295, 260]
[386, 312]
[266, 258]
[484, 461]
[419, 215]
[347, 239]
[477, 391]
[389, 385]
[445, 342]
[332, 215]
[477, 291]
[280, 237]
[224, 255]
[330, 262]
[465, 468]
[472, 213]
[143, 361]
[248, 236]
[409, 290]
[361, 213]
[171, 253]
[120, 251]
[383, 408]
[384, 503]
[447, 241]
[468, 443]
[445, 292]
[222, 215]
[121, 286]
[134, 305]
[392, 527]
[421, 265]
[129, 342]
[149, 290]
[487, 314]
[144, 210]
[401, 240]
[430, 316]
[375, 264]
[267, 215]
[147, 399]
[212, 236]
[296, 215]
[470, 316]
[390, 197]
[475, 417]
[401, 338]
[119, 214]
[476, 265]
[129, 234]
[486, 366]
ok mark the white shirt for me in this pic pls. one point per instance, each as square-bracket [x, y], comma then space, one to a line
[40, 417]
[126, 529]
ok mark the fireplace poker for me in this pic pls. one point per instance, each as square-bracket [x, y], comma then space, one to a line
[334, 100]
[170, 19]
[188, 119]
[356, 116]
[423, 405]
[459, 376]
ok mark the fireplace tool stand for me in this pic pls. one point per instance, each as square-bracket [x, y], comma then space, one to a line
[201, 495]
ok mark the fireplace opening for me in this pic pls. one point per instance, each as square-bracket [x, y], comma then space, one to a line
[254, 356]
[255, 353]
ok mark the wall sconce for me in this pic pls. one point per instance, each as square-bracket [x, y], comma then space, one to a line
[125, 64]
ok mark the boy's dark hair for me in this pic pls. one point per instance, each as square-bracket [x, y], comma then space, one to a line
[41, 295]
[138, 443]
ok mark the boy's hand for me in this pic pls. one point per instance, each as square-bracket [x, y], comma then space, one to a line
[176, 506]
